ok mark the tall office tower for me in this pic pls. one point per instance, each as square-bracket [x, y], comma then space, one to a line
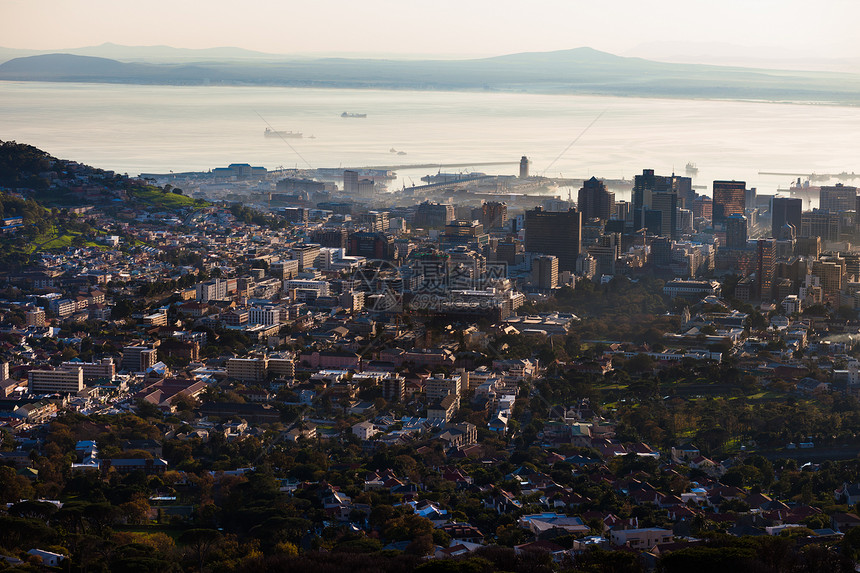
[685, 221]
[683, 188]
[765, 267]
[644, 186]
[622, 210]
[661, 251]
[819, 223]
[785, 211]
[545, 272]
[350, 182]
[595, 201]
[736, 231]
[494, 215]
[729, 198]
[667, 205]
[750, 198]
[524, 167]
[366, 187]
[555, 233]
[838, 198]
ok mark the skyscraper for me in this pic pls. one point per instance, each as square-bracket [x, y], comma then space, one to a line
[838, 198]
[661, 251]
[595, 201]
[667, 205]
[683, 188]
[820, 223]
[350, 182]
[622, 210]
[644, 186]
[736, 231]
[786, 211]
[545, 272]
[554, 233]
[750, 198]
[729, 198]
[765, 267]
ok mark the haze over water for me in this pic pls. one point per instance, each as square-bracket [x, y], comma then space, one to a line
[156, 129]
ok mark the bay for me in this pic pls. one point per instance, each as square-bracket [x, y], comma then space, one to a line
[134, 129]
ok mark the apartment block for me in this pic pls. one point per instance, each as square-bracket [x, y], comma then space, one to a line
[68, 381]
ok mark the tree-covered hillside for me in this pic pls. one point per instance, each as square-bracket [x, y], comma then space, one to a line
[21, 164]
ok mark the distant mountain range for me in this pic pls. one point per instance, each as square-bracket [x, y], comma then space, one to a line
[151, 54]
[802, 57]
[580, 71]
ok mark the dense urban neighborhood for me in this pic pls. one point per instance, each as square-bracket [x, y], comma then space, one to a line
[249, 370]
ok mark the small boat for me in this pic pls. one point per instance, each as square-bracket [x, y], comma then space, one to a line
[392, 150]
[273, 133]
[347, 114]
[401, 153]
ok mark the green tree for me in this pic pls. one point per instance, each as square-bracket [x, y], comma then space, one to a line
[200, 542]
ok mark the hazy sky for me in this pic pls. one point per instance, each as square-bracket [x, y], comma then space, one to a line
[825, 28]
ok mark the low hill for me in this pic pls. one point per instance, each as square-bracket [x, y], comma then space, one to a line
[50, 186]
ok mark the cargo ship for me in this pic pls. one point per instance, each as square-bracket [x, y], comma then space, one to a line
[273, 133]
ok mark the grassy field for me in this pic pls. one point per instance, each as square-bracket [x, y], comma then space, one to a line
[55, 239]
[170, 201]
[169, 530]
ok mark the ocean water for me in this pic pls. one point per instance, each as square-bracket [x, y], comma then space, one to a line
[157, 129]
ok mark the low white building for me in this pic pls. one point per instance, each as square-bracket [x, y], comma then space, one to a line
[49, 559]
[364, 430]
[644, 538]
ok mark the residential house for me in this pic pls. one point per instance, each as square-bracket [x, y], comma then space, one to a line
[459, 435]
[844, 521]
[849, 493]
[644, 538]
